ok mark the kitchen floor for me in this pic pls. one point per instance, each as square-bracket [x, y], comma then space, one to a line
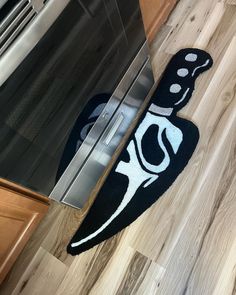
[186, 242]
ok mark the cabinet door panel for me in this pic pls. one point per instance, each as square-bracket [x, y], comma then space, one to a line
[155, 13]
[19, 216]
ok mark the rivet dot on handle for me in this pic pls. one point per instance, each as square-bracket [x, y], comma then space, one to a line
[175, 88]
[182, 72]
[191, 57]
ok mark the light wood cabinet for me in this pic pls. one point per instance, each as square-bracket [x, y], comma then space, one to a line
[20, 212]
[155, 13]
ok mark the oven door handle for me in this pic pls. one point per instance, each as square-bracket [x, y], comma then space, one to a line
[114, 129]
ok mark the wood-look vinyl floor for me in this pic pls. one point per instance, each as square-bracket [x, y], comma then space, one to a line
[186, 242]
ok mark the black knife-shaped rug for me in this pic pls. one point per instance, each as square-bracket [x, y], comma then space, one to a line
[155, 154]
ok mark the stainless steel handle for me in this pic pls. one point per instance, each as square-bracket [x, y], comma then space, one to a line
[114, 128]
[37, 4]
[21, 47]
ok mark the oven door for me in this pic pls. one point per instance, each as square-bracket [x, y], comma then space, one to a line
[65, 55]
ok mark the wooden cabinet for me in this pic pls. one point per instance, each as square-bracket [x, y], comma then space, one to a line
[20, 212]
[155, 13]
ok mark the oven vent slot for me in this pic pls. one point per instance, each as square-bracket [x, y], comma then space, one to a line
[15, 15]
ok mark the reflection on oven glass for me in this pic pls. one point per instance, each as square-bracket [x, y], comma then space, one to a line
[80, 130]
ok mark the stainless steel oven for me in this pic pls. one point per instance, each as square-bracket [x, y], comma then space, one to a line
[55, 56]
